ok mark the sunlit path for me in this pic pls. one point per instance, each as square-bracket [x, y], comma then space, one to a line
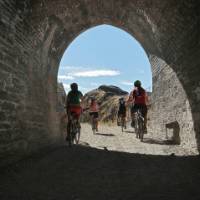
[113, 139]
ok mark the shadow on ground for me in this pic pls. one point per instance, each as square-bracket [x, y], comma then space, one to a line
[157, 141]
[104, 134]
[129, 132]
[84, 173]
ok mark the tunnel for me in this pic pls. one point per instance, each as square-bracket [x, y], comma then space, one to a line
[35, 33]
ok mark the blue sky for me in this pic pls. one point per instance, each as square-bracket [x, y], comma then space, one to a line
[104, 55]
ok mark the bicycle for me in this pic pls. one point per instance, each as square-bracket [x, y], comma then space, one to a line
[139, 125]
[123, 122]
[94, 124]
[73, 129]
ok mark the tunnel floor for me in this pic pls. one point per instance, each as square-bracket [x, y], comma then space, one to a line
[83, 172]
[111, 137]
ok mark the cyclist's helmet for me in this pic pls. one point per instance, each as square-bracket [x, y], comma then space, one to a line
[74, 86]
[92, 99]
[121, 100]
[137, 83]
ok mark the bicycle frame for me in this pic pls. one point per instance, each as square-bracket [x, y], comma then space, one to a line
[73, 129]
[139, 124]
[94, 124]
[123, 122]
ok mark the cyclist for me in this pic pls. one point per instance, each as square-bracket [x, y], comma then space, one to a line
[94, 111]
[140, 99]
[73, 103]
[121, 111]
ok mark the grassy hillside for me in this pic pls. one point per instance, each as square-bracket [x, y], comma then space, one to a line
[107, 97]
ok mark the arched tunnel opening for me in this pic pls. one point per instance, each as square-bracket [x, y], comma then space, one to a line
[169, 117]
[104, 52]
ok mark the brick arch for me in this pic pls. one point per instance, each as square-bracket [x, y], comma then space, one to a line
[169, 102]
[36, 33]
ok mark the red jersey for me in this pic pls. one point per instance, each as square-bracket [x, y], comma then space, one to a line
[140, 96]
[94, 107]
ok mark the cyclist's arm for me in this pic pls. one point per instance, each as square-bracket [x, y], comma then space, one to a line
[146, 98]
[67, 103]
[85, 109]
[131, 98]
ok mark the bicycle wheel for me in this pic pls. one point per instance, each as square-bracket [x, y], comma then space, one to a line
[77, 135]
[122, 124]
[141, 128]
[93, 126]
[137, 131]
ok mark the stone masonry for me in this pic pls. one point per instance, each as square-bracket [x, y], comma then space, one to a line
[169, 105]
[35, 33]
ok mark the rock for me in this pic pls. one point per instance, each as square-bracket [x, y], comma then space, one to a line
[107, 97]
[111, 89]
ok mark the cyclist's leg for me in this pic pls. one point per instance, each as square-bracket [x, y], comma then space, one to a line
[118, 118]
[92, 119]
[123, 117]
[69, 136]
[144, 114]
[79, 123]
[77, 112]
[68, 124]
[96, 117]
[133, 114]
[76, 128]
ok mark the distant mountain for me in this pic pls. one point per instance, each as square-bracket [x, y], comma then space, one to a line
[108, 97]
[112, 89]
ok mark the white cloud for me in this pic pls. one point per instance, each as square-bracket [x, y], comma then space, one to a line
[95, 73]
[72, 68]
[70, 72]
[64, 77]
[127, 83]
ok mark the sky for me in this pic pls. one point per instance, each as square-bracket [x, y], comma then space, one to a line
[105, 55]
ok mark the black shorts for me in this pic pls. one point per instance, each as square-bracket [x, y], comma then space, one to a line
[94, 114]
[121, 113]
[142, 107]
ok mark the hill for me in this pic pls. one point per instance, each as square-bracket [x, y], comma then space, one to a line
[107, 97]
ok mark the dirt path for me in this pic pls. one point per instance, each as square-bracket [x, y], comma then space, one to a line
[113, 139]
[84, 173]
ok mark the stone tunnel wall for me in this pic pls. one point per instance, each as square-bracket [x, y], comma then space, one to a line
[24, 101]
[169, 104]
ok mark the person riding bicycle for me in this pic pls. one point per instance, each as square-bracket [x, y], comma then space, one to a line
[94, 111]
[121, 111]
[73, 103]
[140, 99]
